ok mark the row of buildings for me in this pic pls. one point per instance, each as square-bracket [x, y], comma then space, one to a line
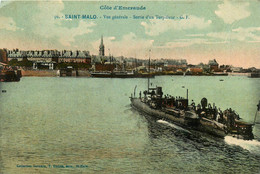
[48, 59]
[50, 55]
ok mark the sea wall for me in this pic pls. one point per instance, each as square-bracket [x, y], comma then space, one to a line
[238, 74]
[82, 73]
[40, 73]
[53, 73]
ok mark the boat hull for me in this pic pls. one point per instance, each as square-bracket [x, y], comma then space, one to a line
[201, 124]
[102, 75]
[212, 127]
[178, 119]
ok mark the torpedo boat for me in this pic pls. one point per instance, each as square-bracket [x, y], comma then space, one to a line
[175, 109]
[165, 107]
[203, 117]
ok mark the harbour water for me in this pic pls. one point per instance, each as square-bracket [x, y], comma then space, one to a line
[86, 125]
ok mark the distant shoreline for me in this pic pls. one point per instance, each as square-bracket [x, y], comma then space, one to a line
[85, 73]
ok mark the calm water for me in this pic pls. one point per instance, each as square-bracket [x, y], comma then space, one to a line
[87, 121]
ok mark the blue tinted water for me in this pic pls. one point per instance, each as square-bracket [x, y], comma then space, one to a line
[88, 121]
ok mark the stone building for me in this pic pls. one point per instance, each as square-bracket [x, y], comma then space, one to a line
[75, 57]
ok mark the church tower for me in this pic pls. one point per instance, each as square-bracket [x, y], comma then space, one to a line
[101, 47]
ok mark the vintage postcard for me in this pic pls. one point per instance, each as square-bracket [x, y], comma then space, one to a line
[129, 86]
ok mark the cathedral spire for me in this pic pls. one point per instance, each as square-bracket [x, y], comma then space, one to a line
[101, 40]
[102, 47]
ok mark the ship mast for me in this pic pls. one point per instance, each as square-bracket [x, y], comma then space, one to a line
[148, 85]
[257, 110]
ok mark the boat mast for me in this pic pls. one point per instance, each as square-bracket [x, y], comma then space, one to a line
[148, 85]
[135, 63]
[257, 110]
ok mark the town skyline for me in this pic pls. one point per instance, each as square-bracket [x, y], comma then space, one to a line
[227, 31]
[80, 55]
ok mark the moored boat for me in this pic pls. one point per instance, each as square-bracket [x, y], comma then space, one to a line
[120, 74]
[106, 74]
[10, 75]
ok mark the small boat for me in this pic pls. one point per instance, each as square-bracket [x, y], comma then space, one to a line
[9, 75]
[220, 74]
[102, 74]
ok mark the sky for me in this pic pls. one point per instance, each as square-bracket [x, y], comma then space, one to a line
[228, 31]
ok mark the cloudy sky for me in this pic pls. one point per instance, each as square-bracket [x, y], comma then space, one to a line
[228, 31]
